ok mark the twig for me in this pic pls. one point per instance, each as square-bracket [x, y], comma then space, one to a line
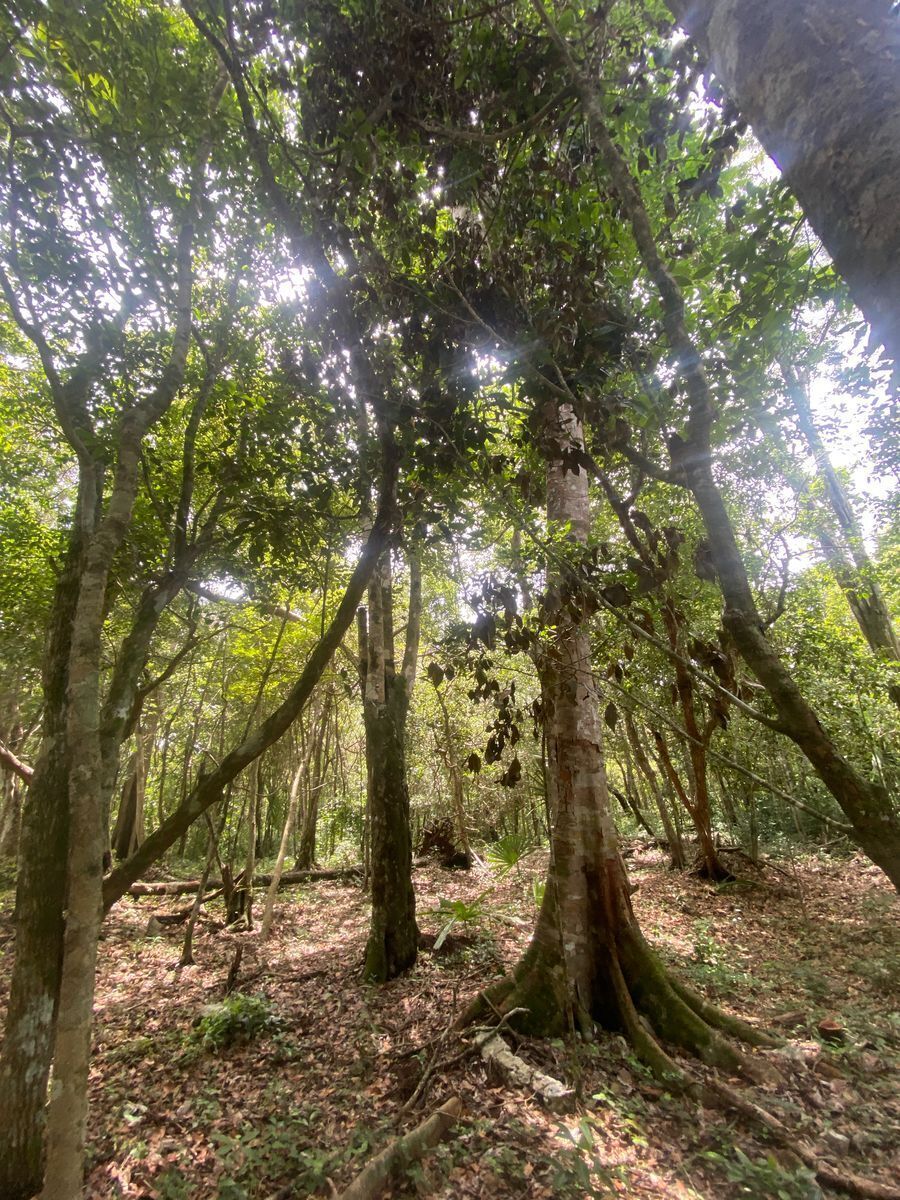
[419, 1091]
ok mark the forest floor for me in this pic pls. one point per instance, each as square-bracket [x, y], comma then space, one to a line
[299, 1109]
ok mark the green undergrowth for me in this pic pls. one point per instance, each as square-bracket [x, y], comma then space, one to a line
[238, 1019]
[258, 1158]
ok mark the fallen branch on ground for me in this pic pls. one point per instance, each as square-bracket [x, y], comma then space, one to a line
[179, 917]
[403, 1151]
[183, 887]
[554, 1095]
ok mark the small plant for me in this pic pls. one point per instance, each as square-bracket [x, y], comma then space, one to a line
[706, 949]
[538, 888]
[508, 852]
[765, 1177]
[239, 1018]
[580, 1164]
[456, 911]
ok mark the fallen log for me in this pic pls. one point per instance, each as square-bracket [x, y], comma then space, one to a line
[179, 917]
[402, 1152]
[184, 887]
[552, 1094]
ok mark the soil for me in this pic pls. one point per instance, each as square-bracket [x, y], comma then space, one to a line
[320, 1065]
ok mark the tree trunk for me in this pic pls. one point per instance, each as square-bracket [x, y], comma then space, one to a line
[254, 783]
[10, 817]
[819, 82]
[208, 789]
[318, 759]
[449, 753]
[187, 946]
[677, 856]
[286, 835]
[588, 961]
[129, 830]
[698, 807]
[852, 568]
[393, 934]
[866, 804]
[40, 903]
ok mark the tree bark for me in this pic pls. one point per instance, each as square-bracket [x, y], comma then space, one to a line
[698, 806]
[677, 857]
[393, 934]
[10, 820]
[315, 781]
[40, 903]
[866, 804]
[286, 834]
[208, 789]
[850, 564]
[819, 82]
[402, 1152]
[185, 887]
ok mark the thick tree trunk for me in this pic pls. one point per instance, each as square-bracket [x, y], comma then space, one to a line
[588, 961]
[819, 81]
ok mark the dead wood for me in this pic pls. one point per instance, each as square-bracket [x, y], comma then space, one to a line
[181, 915]
[403, 1151]
[552, 1094]
[184, 887]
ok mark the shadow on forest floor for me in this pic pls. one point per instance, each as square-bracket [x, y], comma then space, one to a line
[300, 1108]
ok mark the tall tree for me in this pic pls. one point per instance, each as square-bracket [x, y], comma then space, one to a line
[588, 961]
[866, 802]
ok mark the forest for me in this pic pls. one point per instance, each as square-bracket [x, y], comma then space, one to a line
[449, 653]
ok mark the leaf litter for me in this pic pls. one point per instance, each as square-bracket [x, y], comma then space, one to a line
[296, 1108]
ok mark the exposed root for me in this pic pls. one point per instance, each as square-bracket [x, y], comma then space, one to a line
[714, 1016]
[637, 996]
[716, 1094]
[405, 1150]
[646, 1046]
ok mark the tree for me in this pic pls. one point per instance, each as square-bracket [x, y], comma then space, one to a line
[826, 106]
[866, 802]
